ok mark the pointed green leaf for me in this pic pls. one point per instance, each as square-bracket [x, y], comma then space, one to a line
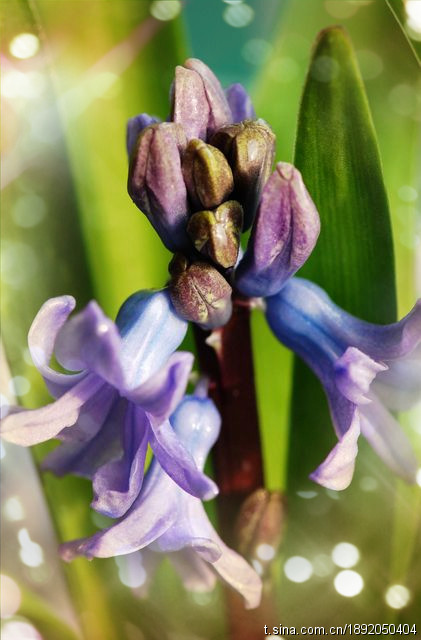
[337, 153]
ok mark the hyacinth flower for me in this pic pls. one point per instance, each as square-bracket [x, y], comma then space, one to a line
[218, 159]
[166, 519]
[128, 381]
[367, 370]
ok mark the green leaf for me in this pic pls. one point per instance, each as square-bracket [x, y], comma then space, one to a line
[336, 151]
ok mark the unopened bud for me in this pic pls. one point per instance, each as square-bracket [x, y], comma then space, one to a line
[199, 293]
[207, 174]
[198, 100]
[284, 234]
[259, 526]
[250, 149]
[216, 234]
[156, 183]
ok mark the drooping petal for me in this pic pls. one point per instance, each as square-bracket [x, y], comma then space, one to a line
[337, 469]
[354, 373]
[178, 463]
[399, 388]
[283, 236]
[151, 331]
[240, 103]
[163, 391]
[195, 573]
[83, 458]
[41, 339]
[239, 575]
[117, 483]
[28, 427]
[147, 519]
[388, 440]
[90, 340]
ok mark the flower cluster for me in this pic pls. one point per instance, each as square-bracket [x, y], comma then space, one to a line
[202, 178]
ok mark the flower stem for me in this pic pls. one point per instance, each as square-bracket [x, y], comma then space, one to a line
[225, 357]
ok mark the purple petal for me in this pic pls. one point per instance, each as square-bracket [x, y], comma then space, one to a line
[219, 110]
[338, 468]
[230, 566]
[91, 340]
[135, 127]
[239, 575]
[41, 338]
[283, 236]
[162, 392]
[178, 462]
[117, 483]
[38, 425]
[195, 573]
[83, 458]
[399, 388]
[240, 103]
[388, 440]
[147, 519]
[156, 183]
[354, 373]
[190, 106]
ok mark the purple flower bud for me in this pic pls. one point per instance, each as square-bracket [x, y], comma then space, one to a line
[216, 234]
[207, 174]
[199, 293]
[250, 148]
[156, 182]
[240, 103]
[198, 100]
[284, 234]
[134, 128]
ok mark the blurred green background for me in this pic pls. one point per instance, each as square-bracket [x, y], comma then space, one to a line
[68, 226]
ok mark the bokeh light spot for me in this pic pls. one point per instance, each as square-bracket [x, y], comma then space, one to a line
[407, 193]
[165, 9]
[348, 583]
[19, 386]
[418, 477]
[397, 596]
[24, 45]
[238, 15]
[265, 552]
[341, 9]
[403, 99]
[345, 555]
[371, 65]
[256, 50]
[30, 552]
[18, 630]
[29, 210]
[10, 596]
[13, 509]
[298, 569]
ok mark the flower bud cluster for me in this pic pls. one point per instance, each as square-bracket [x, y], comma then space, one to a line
[200, 179]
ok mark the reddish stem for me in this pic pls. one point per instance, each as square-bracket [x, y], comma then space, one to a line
[237, 456]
